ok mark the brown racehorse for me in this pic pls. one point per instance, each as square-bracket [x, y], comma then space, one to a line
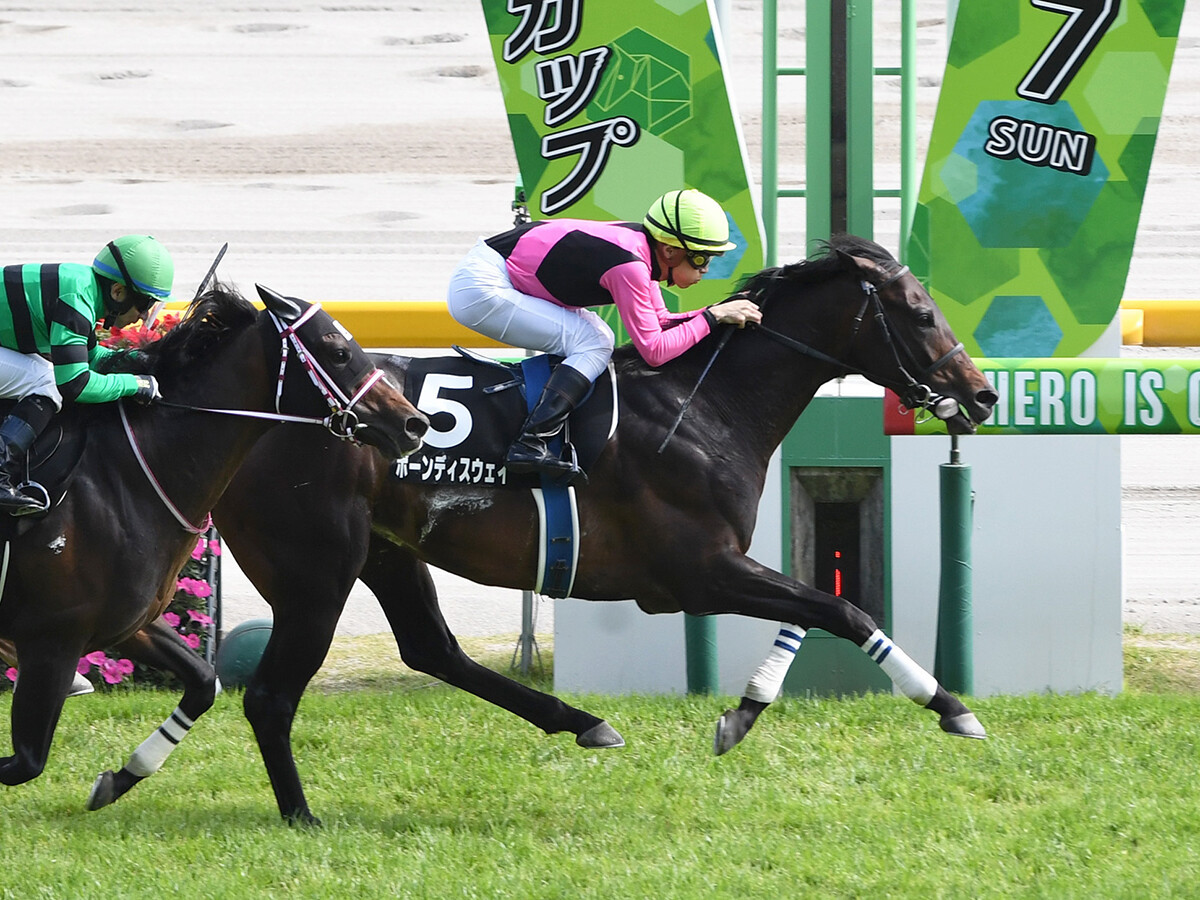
[307, 516]
[99, 567]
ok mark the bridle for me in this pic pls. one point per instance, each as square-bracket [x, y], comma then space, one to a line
[342, 421]
[914, 391]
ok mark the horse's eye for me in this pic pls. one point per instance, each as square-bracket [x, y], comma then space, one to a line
[925, 318]
[339, 350]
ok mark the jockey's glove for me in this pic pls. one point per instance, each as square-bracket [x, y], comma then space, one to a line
[147, 389]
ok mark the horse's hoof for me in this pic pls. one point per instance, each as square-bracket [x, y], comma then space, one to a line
[963, 725]
[103, 791]
[731, 728]
[303, 819]
[600, 737]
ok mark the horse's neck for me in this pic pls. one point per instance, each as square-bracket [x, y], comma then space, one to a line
[194, 455]
[784, 379]
[768, 387]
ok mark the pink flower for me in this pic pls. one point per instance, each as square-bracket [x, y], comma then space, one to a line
[115, 670]
[171, 619]
[199, 618]
[11, 675]
[83, 666]
[198, 550]
[214, 547]
[195, 587]
[192, 640]
[96, 657]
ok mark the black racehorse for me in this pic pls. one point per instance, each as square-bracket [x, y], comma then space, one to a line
[671, 529]
[98, 569]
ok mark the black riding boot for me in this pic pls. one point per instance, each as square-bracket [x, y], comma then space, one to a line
[17, 433]
[564, 390]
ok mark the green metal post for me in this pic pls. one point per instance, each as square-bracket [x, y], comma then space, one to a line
[770, 135]
[909, 179]
[818, 157]
[860, 119]
[954, 663]
[700, 644]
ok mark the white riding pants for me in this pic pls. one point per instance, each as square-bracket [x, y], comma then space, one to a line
[23, 374]
[482, 298]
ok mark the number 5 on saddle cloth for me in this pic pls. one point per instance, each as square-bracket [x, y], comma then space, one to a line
[476, 407]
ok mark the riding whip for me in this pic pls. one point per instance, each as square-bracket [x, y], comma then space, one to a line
[212, 270]
[688, 402]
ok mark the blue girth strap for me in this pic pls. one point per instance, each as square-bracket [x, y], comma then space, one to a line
[558, 518]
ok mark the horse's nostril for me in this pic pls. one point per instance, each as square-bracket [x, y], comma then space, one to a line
[417, 426]
[988, 398]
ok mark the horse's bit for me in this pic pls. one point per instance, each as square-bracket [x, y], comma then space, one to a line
[914, 393]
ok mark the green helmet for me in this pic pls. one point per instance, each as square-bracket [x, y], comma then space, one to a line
[691, 220]
[142, 264]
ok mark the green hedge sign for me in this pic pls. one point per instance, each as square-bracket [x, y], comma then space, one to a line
[1037, 166]
[611, 103]
[1077, 396]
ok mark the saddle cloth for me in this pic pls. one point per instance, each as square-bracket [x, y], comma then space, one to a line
[476, 407]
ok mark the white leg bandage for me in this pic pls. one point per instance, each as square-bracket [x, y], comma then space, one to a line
[767, 681]
[914, 682]
[149, 757]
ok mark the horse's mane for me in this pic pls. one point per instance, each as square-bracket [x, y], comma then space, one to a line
[824, 264]
[208, 320]
[821, 266]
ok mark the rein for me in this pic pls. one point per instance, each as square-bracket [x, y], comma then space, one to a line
[158, 489]
[913, 393]
[342, 421]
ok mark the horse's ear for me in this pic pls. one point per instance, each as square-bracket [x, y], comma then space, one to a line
[286, 308]
[868, 269]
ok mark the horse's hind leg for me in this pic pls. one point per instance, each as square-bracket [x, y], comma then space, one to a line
[159, 646]
[405, 590]
[36, 705]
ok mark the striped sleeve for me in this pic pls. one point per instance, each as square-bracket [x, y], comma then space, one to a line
[70, 333]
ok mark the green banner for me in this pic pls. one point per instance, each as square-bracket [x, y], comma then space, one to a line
[1077, 396]
[612, 103]
[1037, 166]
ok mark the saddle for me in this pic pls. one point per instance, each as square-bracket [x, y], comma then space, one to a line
[50, 466]
[476, 407]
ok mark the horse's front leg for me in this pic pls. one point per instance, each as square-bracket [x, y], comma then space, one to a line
[741, 585]
[300, 639]
[763, 688]
[159, 646]
[37, 702]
